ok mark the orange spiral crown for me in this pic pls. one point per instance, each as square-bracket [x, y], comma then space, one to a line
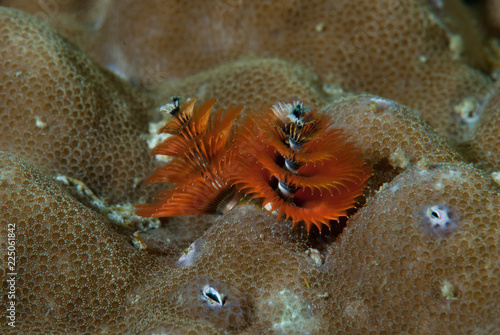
[289, 158]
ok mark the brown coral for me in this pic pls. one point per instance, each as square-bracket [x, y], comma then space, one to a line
[72, 267]
[216, 302]
[393, 275]
[398, 50]
[253, 83]
[53, 99]
[485, 147]
[78, 273]
[384, 258]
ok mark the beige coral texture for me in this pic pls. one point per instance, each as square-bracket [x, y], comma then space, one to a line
[81, 83]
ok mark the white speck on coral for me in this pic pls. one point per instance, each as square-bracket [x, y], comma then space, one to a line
[394, 188]
[188, 254]
[399, 159]
[39, 122]
[63, 179]
[268, 207]
[467, 109]
[448, 290]
[154, 138]
[382, 102]
[387, 186]
[452, 174]
[138, 241]
[290, 314]
[316, 256]
[124, 215]
[456, 45]
[119, 64]
[496, 177]
[423, 163]
[332, 89]
[438, 186]
[423, 172]
[379, 101]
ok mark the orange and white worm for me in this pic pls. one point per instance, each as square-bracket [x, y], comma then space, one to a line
[289, 158]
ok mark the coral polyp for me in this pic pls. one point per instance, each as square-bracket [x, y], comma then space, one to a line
[216, 302]
[439, 220]
[288, 157]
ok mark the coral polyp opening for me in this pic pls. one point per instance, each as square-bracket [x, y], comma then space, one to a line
[439, 220]
[212, 297]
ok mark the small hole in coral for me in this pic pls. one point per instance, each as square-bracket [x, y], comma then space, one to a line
[439, 220]
[212, 296]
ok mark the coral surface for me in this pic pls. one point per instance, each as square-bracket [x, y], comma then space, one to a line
[399, 50]
[406, 81]
[68, 115]
[396, 275]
